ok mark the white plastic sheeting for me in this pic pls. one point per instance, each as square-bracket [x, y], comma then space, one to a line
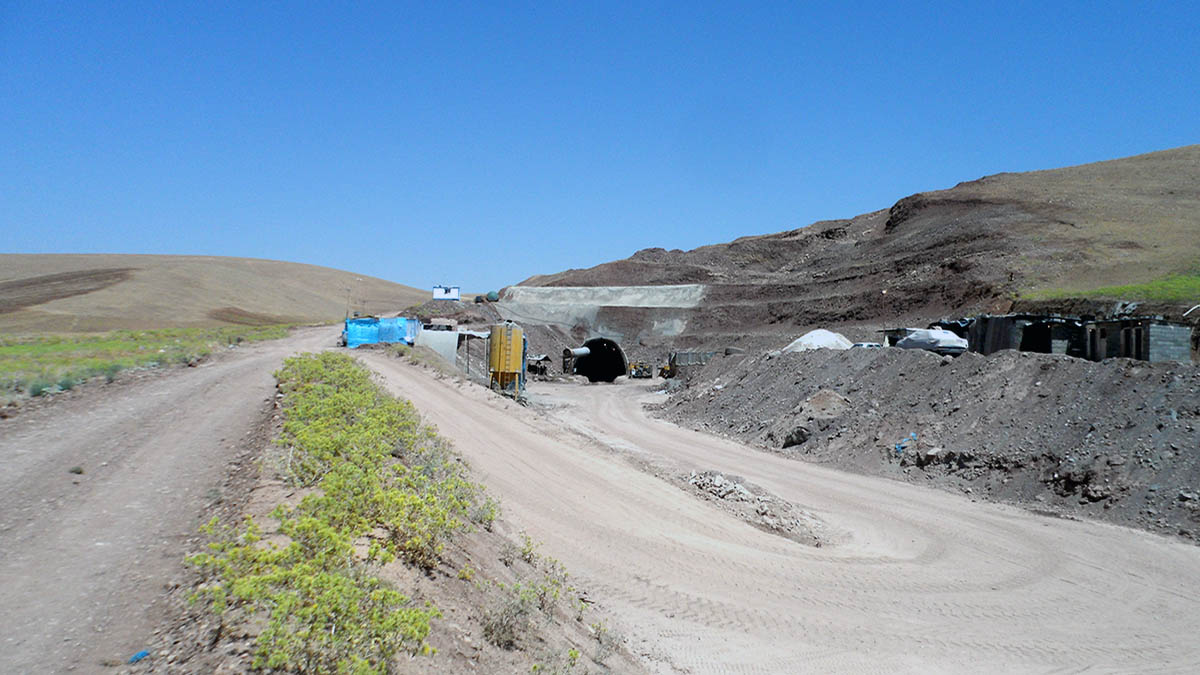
[818, 339]
[933, 339]
[444, 342]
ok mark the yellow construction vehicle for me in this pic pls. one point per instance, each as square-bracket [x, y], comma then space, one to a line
[686, 360]
[641, 370]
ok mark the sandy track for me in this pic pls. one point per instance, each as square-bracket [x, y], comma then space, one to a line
[82, 566]
[922, 580]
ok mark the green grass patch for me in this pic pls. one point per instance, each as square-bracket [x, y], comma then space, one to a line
[387, 488]
[30, 363]
[1181, 288]
[1174, 288]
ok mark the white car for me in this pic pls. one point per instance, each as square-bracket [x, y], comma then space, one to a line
[935, 340]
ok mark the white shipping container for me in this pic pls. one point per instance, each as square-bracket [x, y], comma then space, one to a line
[446, 293]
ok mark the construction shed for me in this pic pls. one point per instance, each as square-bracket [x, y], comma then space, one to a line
[1043, 333]
[1145, 338]
[1148, 338]
[538, 364]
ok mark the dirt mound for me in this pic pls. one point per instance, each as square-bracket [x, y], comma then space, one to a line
[28, 292]
[465, 313]
[1116, 440]
[756, 506]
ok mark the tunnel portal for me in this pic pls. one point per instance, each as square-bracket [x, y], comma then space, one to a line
[599, 360]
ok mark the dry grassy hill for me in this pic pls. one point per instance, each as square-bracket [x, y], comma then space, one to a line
[1125, 221]
[975, 247]
[79, 293]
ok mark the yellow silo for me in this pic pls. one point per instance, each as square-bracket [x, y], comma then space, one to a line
[506, 357]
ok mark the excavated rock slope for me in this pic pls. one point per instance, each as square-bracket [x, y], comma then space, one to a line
[954, 252]
[1117, 440]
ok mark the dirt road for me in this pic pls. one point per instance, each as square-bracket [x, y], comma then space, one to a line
[919, 581]
[83, 557]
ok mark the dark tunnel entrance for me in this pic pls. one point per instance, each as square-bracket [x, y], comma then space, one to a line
[603, 361]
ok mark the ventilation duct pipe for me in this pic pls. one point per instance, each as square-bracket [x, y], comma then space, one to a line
[599, 360]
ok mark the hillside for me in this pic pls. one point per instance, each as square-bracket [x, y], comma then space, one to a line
[78, 293]
[974, 247]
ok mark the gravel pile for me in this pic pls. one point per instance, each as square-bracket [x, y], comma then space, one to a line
[758, 507]
[1116, 440]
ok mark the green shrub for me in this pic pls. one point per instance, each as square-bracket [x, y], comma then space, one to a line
[325, 611]
[558, 664]
[529, 549]
[507, 618]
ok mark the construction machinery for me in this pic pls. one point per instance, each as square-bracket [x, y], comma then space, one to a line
[668, 371]
[641, 370]
[679, 362]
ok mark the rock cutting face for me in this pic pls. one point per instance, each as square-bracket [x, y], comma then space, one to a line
[605, 361]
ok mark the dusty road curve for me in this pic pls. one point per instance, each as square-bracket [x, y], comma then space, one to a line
[82, 565]
[923, 581]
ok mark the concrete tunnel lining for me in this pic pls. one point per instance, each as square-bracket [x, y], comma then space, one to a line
[604, 362]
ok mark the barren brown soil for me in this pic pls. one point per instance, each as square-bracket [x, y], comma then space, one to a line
[84, 293]
[33, 291]
[912, 579]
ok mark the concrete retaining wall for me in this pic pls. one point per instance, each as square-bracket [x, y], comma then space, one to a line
[663, 308]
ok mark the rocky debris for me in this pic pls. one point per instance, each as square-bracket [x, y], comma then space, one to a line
[818, 411]
[720, 487]
[1117, 440]
[930, 456]
[797, 436]
[760, 508]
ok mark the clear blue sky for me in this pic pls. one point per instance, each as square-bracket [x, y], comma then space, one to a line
[478, 144]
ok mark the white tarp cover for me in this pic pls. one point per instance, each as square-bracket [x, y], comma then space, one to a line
[933, 339]
[444, 342]
[818, 339]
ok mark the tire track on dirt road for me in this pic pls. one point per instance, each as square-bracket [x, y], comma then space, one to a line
[921, 581]
[83, 564]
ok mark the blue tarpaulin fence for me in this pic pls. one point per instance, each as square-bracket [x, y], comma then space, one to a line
[370, 330]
